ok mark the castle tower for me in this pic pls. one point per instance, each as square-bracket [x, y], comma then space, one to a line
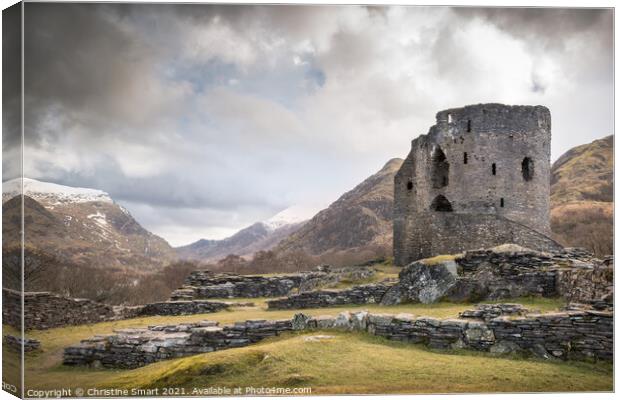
[479, 178]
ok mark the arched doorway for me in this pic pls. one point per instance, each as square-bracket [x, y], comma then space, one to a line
[440, 203]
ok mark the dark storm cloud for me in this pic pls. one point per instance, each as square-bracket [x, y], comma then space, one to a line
[80, 59]
[546, 27]
[11, 76]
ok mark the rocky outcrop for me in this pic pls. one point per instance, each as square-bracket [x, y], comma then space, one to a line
[581, 333]
[363, 294]
[506, 271]
[421, 282]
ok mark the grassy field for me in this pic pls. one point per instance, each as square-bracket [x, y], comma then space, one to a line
[349, 363]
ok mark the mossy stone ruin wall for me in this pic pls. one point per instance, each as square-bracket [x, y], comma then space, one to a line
[499, 328]
[204, 284]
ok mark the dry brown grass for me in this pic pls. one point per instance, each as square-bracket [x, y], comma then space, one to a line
[585, 224]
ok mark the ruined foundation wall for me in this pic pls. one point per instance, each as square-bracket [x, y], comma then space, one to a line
[363, 294]
[44, 310]
[183, 307]
[582, 334]
[204, 284]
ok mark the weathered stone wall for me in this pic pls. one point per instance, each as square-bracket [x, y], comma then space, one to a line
[362, 294]
[506, 271]
[509, 328]
[433, 233]
[585, 284]
[133, 348]
[204, 284]
[484, 159]
[44, 310]
[183, 307]
[17, 343]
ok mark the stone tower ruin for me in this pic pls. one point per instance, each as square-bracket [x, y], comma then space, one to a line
[479, 178]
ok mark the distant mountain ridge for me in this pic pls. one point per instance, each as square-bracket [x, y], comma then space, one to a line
[361, 219]
[82, 226]
[263, 235]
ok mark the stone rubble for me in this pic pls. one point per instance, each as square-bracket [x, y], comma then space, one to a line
[16, 343]
[204, 284]
[362, 294]
[183, 307]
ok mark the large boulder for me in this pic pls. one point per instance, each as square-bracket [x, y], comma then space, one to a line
[425, 281]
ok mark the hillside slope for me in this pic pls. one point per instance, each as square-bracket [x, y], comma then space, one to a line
[83, 226]
[357, 225]
[584, 173]
[582, 197]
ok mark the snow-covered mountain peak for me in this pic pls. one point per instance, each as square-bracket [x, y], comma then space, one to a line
[292, 215]
[52, 193]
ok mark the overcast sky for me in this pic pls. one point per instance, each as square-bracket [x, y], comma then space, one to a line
[203, 119]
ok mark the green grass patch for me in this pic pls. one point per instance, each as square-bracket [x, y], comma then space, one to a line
[439, 259]
[382, 272]
[354, 363]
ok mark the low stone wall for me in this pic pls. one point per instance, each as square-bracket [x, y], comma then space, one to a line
[44, 310]
[576, 334]
[204, 284]
[183, 307]
[363, 294]
[133, 348]
[16, 343]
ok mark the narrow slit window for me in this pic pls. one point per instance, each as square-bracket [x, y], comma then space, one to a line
[449, 118]
[501, 202]
[527, 168]
[409, 185]
[469, 125]
[465, 158]
[494, 169]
